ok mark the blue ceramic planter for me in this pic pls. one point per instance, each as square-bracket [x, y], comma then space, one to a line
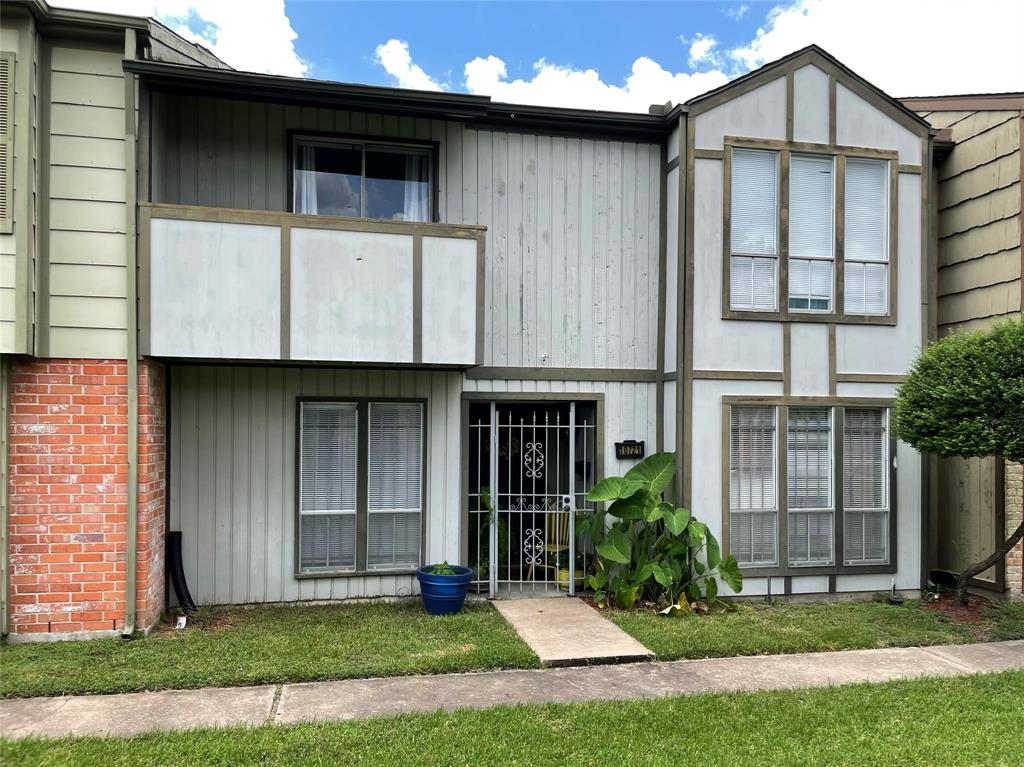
[444, 594]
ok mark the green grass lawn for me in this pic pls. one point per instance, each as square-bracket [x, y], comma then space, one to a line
[271, 644]
[757, 629]
[888, 725]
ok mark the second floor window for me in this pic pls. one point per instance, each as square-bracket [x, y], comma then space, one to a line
[362, 180]
[765, 234]
[754, 231]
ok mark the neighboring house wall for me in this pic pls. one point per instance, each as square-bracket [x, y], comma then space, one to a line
[572, 223]
[979, 282]
[19, 45]
[783, 359]
[87, 218]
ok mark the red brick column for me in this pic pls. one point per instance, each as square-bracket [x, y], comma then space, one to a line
[68, 495]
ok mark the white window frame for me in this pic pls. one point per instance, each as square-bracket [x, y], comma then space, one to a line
[864, 263]
[753, 258]
[810, 259]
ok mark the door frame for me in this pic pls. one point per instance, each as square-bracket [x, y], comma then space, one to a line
[596, 398]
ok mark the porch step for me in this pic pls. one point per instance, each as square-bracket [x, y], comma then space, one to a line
[565, 631]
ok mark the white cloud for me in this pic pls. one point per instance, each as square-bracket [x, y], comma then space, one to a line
[702, 51]
[250, 36]
[906, 48]
[394, 57]
[556, 85]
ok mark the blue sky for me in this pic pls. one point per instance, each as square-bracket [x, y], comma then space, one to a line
[339, 39]
[606, 55]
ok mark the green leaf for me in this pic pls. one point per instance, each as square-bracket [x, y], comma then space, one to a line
[657, 511]
[616, 547]
[677, 521]
[714, 552]
[697, 531]
[662, 575]
[644, 572]
[655, 471]
[729, 571]
[613, 488]
[711, 587]
[625, 597]
[632, 508]
[601, 598]
[699, 566]
[597, 580]
[692, 592]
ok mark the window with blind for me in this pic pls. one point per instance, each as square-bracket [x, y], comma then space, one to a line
[327, 486]
[753, 502]
[811, 201]
[754, 215]
[809, 485]
[865, 486]
[360, 468]
[395, 487]
[866, 237]
[827, 480]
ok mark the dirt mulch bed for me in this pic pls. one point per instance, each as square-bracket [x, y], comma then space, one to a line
[977, 609]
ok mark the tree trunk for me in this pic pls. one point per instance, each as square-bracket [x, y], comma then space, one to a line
[994, 558]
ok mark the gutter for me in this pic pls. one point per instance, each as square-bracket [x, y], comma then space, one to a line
[132, 342]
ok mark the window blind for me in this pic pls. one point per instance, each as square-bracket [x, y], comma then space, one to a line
[395, 484]
[327, 486]
[753, 521]
[809, 485]
[811, 219]
[866, 236]
[754, 229]
[865, 486]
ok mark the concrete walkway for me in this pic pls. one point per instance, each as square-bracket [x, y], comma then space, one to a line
[566, 631]
[363, 698]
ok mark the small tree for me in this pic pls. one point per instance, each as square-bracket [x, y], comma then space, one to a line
[964, 397]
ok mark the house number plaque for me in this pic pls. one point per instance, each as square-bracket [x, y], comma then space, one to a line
[629, 448]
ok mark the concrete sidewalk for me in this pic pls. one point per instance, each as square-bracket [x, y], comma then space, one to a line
[565, 631]
[135, 713]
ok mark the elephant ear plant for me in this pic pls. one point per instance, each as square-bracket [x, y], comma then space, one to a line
[652, 552]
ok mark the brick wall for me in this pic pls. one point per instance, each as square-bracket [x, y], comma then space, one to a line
[1014, 481]
[68, 495]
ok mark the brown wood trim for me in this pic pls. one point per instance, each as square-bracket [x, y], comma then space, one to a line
[832, 109]
[709, 154]
[659, 426]
[806, 147]
[640, 375]
[726, 502]
[832, 360]
[745, 399]
[688, 275]
[907, 168]
[870, 378]
[738, 375]
[790, 103]
[970, 103]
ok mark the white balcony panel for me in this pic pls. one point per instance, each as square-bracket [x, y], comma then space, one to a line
[449, 300]
[214, 290]
[351, 296]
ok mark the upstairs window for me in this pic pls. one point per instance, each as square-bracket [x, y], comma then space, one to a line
[361, 180]
[866, 226]
[811, 238]
[754, 229]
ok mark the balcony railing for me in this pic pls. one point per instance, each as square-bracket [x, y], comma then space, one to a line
[256, 285]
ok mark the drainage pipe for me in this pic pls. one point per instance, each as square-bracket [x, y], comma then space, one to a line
[132, 345]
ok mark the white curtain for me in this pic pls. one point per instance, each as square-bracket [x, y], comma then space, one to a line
[305, 188]
[415, 207]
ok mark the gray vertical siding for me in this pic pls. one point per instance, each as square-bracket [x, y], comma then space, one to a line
[572, 239]
[232, 476]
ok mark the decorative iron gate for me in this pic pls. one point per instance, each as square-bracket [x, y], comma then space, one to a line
[531, 466]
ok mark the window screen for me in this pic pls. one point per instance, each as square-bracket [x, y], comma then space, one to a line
[865, 486]
[752, 487]
[327, 486]
[395, 484]
[866, 237]
[754, 229]
[811, 192]
[809, 485]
